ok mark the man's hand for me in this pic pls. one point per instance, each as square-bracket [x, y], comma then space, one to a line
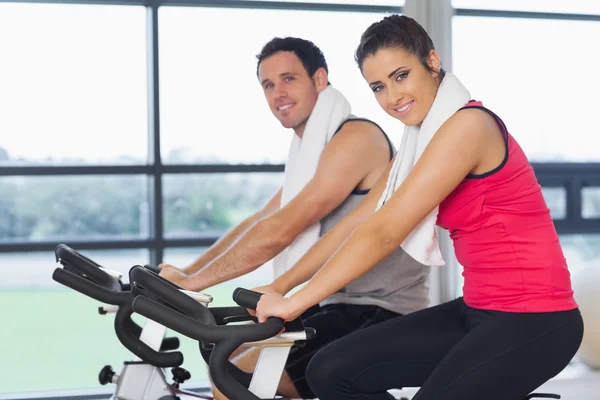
[174, 275]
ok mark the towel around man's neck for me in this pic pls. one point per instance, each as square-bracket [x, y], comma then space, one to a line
[331, 109]
[422, 243]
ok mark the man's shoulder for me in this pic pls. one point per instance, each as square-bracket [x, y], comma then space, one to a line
[362, 137]
[359, 131]
[358, 124]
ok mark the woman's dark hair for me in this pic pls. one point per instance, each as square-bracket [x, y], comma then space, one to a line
[396, 31]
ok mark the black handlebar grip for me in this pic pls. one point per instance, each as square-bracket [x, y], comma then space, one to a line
[170, 343]
[80, 264]
[88, 287]
[243, 377]
[128, 332]
[155, 273]
[152, 268]
[223, 373]
[164, 315]
[139, 348]
[225, 338]
[246, 298]
[159, 289]
[542, 396]
[220, 373]
[63, 251]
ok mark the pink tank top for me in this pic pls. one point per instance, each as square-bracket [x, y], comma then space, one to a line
[505, 239]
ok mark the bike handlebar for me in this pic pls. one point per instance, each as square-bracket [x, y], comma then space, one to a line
[163, 302]
[87, 277]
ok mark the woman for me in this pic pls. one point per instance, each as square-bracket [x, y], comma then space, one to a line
[517, 325]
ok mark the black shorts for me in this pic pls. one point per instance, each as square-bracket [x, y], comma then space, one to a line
[331, 322]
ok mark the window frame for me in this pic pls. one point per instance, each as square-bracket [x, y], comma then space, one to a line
[572, 176]
[155, 169]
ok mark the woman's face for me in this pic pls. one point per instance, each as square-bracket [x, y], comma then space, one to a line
[403, 87]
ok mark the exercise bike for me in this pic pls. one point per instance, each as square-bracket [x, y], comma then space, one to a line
[162, 301]
[216, 330]
[141, 378]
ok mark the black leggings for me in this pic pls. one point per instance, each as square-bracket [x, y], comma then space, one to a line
[450, 351]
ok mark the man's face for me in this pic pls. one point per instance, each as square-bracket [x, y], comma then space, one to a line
[290, 92]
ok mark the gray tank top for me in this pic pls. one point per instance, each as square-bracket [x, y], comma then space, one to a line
[398, 283]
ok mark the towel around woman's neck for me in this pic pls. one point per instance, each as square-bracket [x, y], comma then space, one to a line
[422, 243]
[331, 109]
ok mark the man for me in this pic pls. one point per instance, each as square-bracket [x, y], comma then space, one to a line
[323, 183]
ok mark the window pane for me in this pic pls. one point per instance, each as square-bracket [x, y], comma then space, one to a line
[55, 339]
[213, 109]
[358, 2]
[73, 208]
[590, 199]
[581, 250]
[556, 200]
[557, 6]
[549, 109]
[211, 204]
[73, 90]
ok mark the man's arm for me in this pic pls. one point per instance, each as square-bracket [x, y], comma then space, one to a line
[221, 245]
[318, 255]
[357, 149]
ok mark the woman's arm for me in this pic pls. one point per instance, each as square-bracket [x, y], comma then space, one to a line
[453, 152]
[321, 251]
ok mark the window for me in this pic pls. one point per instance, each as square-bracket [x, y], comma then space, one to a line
[211, 204]
[517, 68]
[212, 107]
[590, 202]
[73, 84]
[554, 6]
[581, 251]
[81, 100]
[358, 2]
[556, 200]
[50, 326]
[70, 208]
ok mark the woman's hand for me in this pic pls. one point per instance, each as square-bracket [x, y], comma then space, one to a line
[263, 289]
[275, 305]
[266, 289]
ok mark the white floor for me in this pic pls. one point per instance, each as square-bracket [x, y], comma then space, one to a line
[576, 382]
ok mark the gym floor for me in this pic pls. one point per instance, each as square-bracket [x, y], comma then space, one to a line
[576, 382]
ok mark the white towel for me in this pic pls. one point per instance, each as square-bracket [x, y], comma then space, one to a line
[422, 243]
[330, 110]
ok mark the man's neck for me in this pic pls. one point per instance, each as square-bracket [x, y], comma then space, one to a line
[299, 130]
